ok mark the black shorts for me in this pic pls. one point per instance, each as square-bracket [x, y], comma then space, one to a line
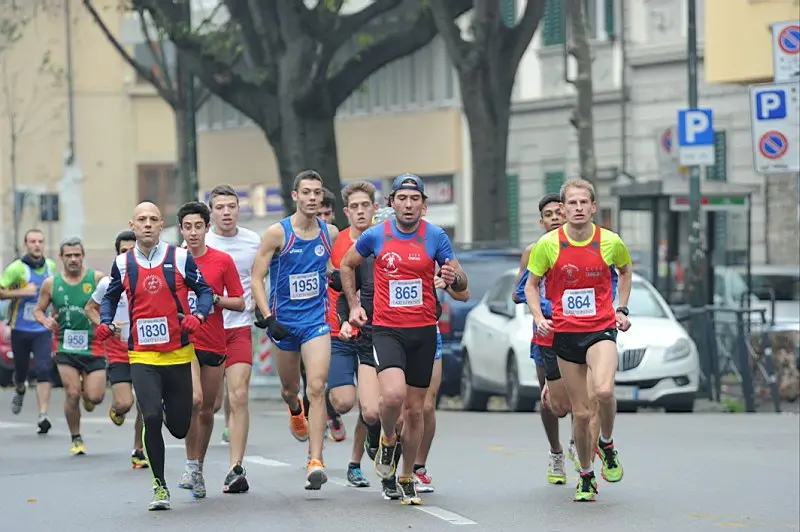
[119, 372]
[364, 347]
[209, 358]
[164, 393]
[573, 347]
[83, 363]
[551, 371]
[413, 350]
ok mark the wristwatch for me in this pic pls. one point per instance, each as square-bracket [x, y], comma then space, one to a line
[623, 310]
[216, 299]
[112, 327]
[200, 317]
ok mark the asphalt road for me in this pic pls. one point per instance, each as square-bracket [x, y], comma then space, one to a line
[682, 473]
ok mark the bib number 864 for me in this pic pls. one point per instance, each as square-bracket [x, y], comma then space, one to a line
[579, 302]
[406, 293]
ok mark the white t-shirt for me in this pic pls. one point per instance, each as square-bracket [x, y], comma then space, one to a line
[243, 248]
[122, 315]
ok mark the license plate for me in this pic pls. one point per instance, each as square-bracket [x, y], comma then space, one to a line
[627, 393]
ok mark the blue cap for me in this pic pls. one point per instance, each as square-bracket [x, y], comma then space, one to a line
[408, 182]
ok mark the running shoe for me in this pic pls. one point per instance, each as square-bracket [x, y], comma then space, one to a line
[44, 424]
[390, 490]
[160, 497]
[356, 478]
[78, 447]
[409, 489]
[556, 474]
[116, 419]
[336, 428]
[139, 460]
[572, 452]
[186, 480]
[315, 475]
[298, 425]
[226, 437]
[87, 404]
[371, 444]
[16, 401]
[198, 484]
[586, 490]
[424, 480]
[612, 468]
[385, 466]
[236, 480]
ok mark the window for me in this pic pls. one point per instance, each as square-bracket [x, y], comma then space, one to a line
[508, 12]
[553, 182]
[160, 184]
[607, 218]
[643, 302]
[146, 57]
[482, 273]
[600, 15]
[501, 293]
[719, 172]
[411, 80]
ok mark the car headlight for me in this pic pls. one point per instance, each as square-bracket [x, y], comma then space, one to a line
[680, 349]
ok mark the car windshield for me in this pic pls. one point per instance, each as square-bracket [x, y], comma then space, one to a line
[643, 302]
[484, 273]
[785, 287]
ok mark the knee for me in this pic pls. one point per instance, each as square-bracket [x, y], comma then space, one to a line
[290, 391]
[342, 401]
[237, 398]
[429, 407]
[413, 417]
[370, 415]
[206, 413]
[153, 420]
[179, 428]
[315, 389]
[603, 394]
[72, 394]
[123, 406]
[581, 413]
[393, 396]
[95, 397]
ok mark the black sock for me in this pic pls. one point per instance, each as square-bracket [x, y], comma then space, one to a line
[76, 437]
[353, 465]
[298, 410]
[417, 467]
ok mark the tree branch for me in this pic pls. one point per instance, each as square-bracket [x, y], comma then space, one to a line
[151, 78]
[520, 37]
[457, 48]
[204, 95]
[159, 57]
[343, 27]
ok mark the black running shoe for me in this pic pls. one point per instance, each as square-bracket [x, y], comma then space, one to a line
[390, 490]
[236, 481]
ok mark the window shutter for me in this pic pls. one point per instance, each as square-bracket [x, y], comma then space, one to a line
[508, 12]
[512, 182]
[553, 182]
[553, 31]
[610, 28]
[719, 172]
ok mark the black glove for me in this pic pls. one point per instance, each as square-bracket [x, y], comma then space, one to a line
[335, 280]
[277, 330]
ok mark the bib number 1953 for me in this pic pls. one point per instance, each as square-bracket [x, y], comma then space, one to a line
[579, 303]
[405, 293]
[152, 331]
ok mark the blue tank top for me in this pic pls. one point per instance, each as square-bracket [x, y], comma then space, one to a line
[298, 294]
[24, 318]
[519, 291]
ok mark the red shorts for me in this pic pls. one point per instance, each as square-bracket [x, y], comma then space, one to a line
[240, 346]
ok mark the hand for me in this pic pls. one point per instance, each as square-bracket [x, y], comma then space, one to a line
[345, 331]
[335, 280]
[546, 397]
[29, 290]
[438, 283]
[50, 323]
[358, 316]
[623, 323]
[447, 272]
[277, 330]
[545, 327]
[515, 299]
[190, 324]
[103, 332]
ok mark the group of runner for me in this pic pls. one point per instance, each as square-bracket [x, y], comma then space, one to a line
[355, 312]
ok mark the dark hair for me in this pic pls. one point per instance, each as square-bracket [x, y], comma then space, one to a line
[548, 198]
[124, 236]
[328, 198]
[304, 175]
[29, 231]
[194, 207]
[222, 190]
[69, 242]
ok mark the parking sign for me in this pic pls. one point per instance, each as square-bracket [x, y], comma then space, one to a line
[786, 51]
[696, 137]
[775, 121]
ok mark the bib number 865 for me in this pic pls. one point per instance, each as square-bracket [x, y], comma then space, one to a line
[579, 302]
[406, 293]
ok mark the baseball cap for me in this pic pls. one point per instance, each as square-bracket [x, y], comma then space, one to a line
[408, 182]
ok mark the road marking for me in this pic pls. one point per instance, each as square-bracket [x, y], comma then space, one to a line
[13, 425]
[446, 515]
[266, 462]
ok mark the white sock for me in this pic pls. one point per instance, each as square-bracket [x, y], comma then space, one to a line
[193, 465]
[590, 469]
[606, 441]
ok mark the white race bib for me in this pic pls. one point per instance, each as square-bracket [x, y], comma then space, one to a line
[152, 331]
[304, 285]
[579, 302]
[76, 340]
[405, 293]
[27, 311]
[192, 297]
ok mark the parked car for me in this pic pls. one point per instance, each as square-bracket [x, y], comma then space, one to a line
[658, 363]
[481, 267]
[777, 287]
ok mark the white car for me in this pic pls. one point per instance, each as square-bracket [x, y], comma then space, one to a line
[658, 363]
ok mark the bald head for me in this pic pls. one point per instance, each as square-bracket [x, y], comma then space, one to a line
[146, 206]
[146, 225]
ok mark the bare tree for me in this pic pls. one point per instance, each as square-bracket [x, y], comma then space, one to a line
[583, 116]
[487, 66]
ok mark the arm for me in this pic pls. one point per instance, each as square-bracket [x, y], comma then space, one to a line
[523, 262]
[342, 309]
[539, 263]
[194, 279]
[108, 305]
[92, 309]
[622, 260]
[45, 298]
[233, 286]
[347, 269]
[533, 297]
[445, 258]
[458, 296]
[272, 242]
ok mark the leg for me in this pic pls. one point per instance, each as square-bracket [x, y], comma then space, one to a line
[238, 368]
[602, 358]
[316, 354]
[148, 383]
[390, 362]
[178, 398]
[369, 397]
[287, 364]
[71, 379]
[121, 397]
[94, 380]
[192, 451]
[21, 346]
[341, 392]
[304, 382]
[574, 377]
[211, 378]
[424, 481]
[41, 346]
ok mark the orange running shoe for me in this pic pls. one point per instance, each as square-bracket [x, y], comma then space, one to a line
[315, 475]
[298, 425]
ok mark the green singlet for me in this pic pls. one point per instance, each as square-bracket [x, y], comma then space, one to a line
[75, 331]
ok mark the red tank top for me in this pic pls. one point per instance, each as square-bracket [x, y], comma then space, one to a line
[580, 287]
[116, 351]
[403, 275]
[341, 246]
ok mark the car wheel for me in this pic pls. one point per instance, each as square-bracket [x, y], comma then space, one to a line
[679, 406]
[514, 399]
[471, 399]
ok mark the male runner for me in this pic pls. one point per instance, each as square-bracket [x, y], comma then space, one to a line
[219, 272]
[80, 358]
[296, 252]
[242, 245]
[21, 282]
[326, 212]
[578, 260]
[360, 206]
[156, 278]
[404, 320]
[119, 368]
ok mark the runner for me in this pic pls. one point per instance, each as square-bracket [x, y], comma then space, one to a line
[326, 212]
[119, 368]
[21, 282]
[578, 260]
[295, 252]
[242, 245]
[80, 357]
[156, 278]
[360, 206]
[404, 322]
[219, 272]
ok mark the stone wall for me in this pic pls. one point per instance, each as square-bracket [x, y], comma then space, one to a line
[783, 244]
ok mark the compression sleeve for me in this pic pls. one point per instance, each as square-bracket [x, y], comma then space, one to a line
[444, 249]
[195, 280]
[13, 274]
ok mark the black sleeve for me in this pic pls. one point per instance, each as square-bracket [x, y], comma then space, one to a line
[342, 309]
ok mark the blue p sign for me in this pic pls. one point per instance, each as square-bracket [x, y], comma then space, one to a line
[695, 128]
[771, 105]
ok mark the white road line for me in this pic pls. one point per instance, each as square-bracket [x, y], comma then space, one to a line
[13, 425]
[267, 462]
[446, 515]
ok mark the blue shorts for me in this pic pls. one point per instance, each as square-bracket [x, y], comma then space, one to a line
[344, 361]
[300, 334]
[438, 345]
[536, 355]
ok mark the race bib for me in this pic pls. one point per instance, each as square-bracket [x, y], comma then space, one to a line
[152, 331]
[27, 311]
[579, 302]
[405, 293]
[304, 285]
[76, 340]
[192, 297]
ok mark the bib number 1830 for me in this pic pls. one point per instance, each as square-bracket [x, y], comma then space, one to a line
[152, 331]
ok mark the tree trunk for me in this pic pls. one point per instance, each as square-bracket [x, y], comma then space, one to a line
[182, 166]
[583, 118]
[486, 95]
